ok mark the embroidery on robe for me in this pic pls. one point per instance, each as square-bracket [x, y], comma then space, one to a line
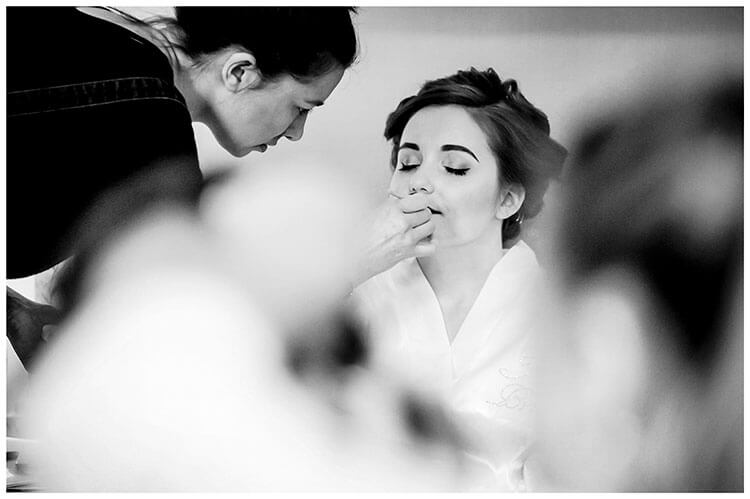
[514, 392]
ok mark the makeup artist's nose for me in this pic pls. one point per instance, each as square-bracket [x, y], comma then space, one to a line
[296, 128]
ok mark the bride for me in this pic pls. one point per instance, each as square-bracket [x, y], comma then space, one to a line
[455, 323]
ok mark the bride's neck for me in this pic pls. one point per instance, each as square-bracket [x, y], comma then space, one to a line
[462, 269]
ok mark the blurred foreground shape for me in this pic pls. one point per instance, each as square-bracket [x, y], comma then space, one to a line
[172, 372]
[642, 358]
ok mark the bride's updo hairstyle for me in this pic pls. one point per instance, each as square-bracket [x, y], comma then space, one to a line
[516, 132]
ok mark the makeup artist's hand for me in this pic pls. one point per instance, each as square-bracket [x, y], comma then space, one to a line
[401, 229]
[29, 325]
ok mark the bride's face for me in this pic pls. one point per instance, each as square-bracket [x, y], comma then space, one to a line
[444, 154]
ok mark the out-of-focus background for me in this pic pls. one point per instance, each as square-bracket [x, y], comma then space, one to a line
[568, 61]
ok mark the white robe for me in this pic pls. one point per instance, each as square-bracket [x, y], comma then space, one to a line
[483, 375]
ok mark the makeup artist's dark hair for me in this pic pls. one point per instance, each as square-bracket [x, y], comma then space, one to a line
[303, 42]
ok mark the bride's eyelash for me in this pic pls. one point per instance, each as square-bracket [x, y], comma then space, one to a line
[405, 167]
[456, 171]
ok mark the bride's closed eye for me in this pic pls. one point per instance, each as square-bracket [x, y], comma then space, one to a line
[456, 171]
[406, 167]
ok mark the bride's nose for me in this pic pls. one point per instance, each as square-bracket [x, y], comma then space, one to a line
[420, 183]
[424, 187]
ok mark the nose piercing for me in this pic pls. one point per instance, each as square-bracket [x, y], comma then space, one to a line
[426, 188]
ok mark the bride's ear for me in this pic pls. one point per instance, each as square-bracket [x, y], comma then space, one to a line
[240, 71]
[510, 200]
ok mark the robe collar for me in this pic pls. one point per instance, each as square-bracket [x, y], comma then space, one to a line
[500, 296]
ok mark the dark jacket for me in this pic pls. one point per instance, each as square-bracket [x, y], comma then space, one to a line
[96, 132]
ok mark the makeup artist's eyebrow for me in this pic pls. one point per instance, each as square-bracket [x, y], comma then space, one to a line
[409, 145]
[454, 147]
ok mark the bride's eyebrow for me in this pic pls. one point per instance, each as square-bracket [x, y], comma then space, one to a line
[409, 145]
[455, 147]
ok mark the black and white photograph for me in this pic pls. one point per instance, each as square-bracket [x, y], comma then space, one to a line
[327, 248]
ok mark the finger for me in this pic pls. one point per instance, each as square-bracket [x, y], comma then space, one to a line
[423, 231]
[48, 331]
[424, 248]
[413, 203]
[417, 218]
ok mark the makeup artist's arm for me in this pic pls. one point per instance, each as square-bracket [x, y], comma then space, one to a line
[28, 324]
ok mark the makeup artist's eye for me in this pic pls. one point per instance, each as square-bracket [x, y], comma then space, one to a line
[403, 167]
[456, 171]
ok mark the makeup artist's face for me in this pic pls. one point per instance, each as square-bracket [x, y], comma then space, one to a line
[258, 117]
[445, 154]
